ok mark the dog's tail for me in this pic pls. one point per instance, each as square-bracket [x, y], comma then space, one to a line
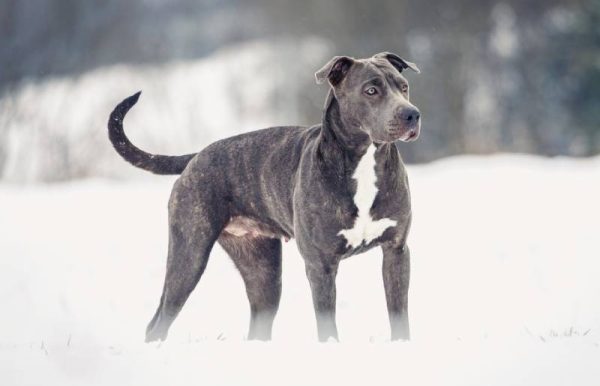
[158, 164]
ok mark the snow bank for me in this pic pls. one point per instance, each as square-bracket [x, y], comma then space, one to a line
[504, 288]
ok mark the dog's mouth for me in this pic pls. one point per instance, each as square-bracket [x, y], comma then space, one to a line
[403, 133]
[412, 135]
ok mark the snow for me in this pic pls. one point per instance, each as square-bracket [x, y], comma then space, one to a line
[504, 288]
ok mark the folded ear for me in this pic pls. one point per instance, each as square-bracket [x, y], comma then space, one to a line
[396, 61]
[335, 70]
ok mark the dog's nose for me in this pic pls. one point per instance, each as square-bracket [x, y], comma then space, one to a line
[410, 115]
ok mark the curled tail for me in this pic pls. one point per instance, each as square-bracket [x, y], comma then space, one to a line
[158, 164]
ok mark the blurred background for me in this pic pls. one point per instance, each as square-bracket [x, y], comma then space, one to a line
[497, 76]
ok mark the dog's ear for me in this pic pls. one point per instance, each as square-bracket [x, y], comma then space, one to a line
[335, 70]
[396, 61]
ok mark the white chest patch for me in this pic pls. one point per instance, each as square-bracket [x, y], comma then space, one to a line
[365, 228]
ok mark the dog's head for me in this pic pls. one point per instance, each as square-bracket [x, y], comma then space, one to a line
[373, 95]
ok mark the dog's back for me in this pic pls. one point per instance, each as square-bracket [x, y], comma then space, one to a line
[247, 169]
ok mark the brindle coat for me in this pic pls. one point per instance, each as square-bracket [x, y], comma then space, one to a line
[249, 191]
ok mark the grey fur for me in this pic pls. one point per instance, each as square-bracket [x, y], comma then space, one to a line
[249, 191]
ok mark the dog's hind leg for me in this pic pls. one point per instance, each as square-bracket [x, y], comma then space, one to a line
[258, 260]
[196, 219]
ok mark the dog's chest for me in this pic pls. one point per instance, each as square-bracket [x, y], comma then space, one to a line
[365, 228]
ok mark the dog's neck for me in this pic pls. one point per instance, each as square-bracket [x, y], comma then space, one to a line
[338, 132]
[341, 146]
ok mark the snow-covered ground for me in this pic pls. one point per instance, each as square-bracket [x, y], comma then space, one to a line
[505, 288]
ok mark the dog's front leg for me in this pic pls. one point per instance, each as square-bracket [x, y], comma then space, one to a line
[396, 275]
[322, 284]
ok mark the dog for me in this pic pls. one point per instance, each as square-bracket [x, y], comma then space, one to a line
[339, 188]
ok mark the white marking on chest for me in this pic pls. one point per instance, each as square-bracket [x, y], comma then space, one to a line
[365, 228]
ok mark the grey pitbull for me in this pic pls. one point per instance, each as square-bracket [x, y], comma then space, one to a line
[340, 188]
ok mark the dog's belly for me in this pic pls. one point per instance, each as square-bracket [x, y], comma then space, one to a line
[242, 226]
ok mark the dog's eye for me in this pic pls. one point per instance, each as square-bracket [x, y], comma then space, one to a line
[371, 91]
[404, 88]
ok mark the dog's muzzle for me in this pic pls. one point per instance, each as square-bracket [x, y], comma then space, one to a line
[407, 125]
